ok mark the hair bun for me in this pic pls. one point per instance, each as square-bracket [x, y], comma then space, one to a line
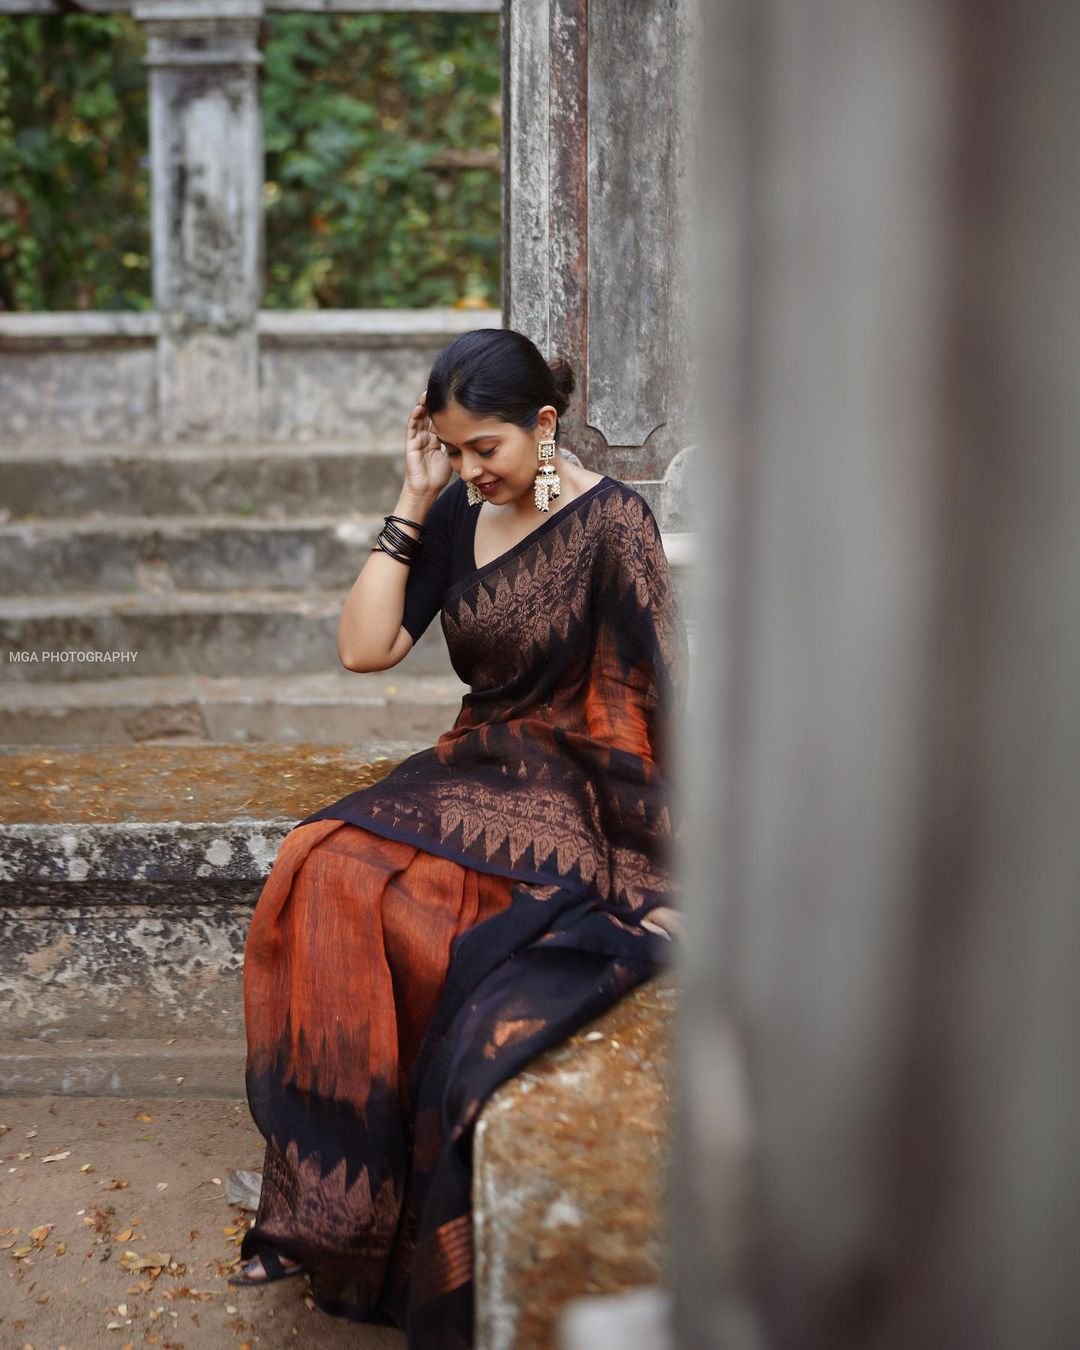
[563, 374]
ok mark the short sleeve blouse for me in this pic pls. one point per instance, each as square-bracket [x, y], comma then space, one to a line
[445, 557]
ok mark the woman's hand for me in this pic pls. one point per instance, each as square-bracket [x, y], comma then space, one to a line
[665, 920]
[427, 466]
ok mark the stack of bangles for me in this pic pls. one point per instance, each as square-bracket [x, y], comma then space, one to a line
[396, 542]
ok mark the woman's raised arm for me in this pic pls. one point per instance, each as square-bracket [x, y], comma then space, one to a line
[370, 633]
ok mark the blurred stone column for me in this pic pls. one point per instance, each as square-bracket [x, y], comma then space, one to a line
[206, 174]
[893, 924]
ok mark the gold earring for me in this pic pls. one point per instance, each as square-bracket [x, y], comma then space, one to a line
[546, 484]
[473, 493]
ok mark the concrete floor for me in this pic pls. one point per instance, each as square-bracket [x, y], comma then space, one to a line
[139, 1176]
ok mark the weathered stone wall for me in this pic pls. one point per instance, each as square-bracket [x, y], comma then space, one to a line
[92, 379]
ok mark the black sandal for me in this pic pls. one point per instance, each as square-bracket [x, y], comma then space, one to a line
[273, 1266]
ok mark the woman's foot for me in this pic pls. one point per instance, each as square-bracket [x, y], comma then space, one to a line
[265, 1269]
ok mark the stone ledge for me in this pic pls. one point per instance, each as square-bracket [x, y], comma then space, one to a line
[216, 633]
[370, 327]
[75, 327]
[571, 1166]
[127, 881]
[169, 786]
[123, 1068]
[377, 327]
[389, 712]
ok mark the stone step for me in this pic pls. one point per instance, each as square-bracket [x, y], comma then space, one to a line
[334, 708]
[258, 632]
[168, 1066]
[208, 553]
[262, 481]
[127, 879]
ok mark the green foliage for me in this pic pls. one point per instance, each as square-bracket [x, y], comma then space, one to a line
[74, 183]
[358, 110]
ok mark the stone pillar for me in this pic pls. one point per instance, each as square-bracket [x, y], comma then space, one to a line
[597, 127]
[206, 171]
[893, 920]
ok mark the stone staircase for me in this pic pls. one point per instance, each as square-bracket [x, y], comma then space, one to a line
[223, 571]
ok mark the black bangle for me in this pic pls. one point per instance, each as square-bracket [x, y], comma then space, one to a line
[403, 521]
[397, 536]
[394, 539]
[400, 557]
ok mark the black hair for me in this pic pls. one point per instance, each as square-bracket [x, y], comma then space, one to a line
[500, 373]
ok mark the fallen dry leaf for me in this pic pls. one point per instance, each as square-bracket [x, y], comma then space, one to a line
[57, 1157]
[182, 1291]
[133, 1262]
[39, 1234]
[124, 1235]
[87, 1167]
[149, 1120]
[117, 1184]
[99, 1218]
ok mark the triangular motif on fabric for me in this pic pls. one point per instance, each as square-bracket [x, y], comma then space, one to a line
[520, 840]
[542, 854]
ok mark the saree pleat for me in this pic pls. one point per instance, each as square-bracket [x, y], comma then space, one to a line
[420, 940]
[388, 993]
[344, 965]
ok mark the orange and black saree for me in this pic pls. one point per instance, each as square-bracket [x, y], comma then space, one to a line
[419, 940]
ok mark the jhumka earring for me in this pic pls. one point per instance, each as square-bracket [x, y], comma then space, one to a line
[473, 493]
[546, 484]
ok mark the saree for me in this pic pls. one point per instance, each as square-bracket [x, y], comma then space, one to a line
[421, 939]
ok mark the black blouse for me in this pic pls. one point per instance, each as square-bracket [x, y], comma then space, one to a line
[448, 554]
[444, 558]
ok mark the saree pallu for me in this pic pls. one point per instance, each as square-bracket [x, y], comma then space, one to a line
[418, 941]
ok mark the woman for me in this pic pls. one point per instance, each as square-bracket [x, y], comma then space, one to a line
[419, 940]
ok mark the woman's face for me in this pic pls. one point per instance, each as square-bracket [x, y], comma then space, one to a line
[498, 457]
